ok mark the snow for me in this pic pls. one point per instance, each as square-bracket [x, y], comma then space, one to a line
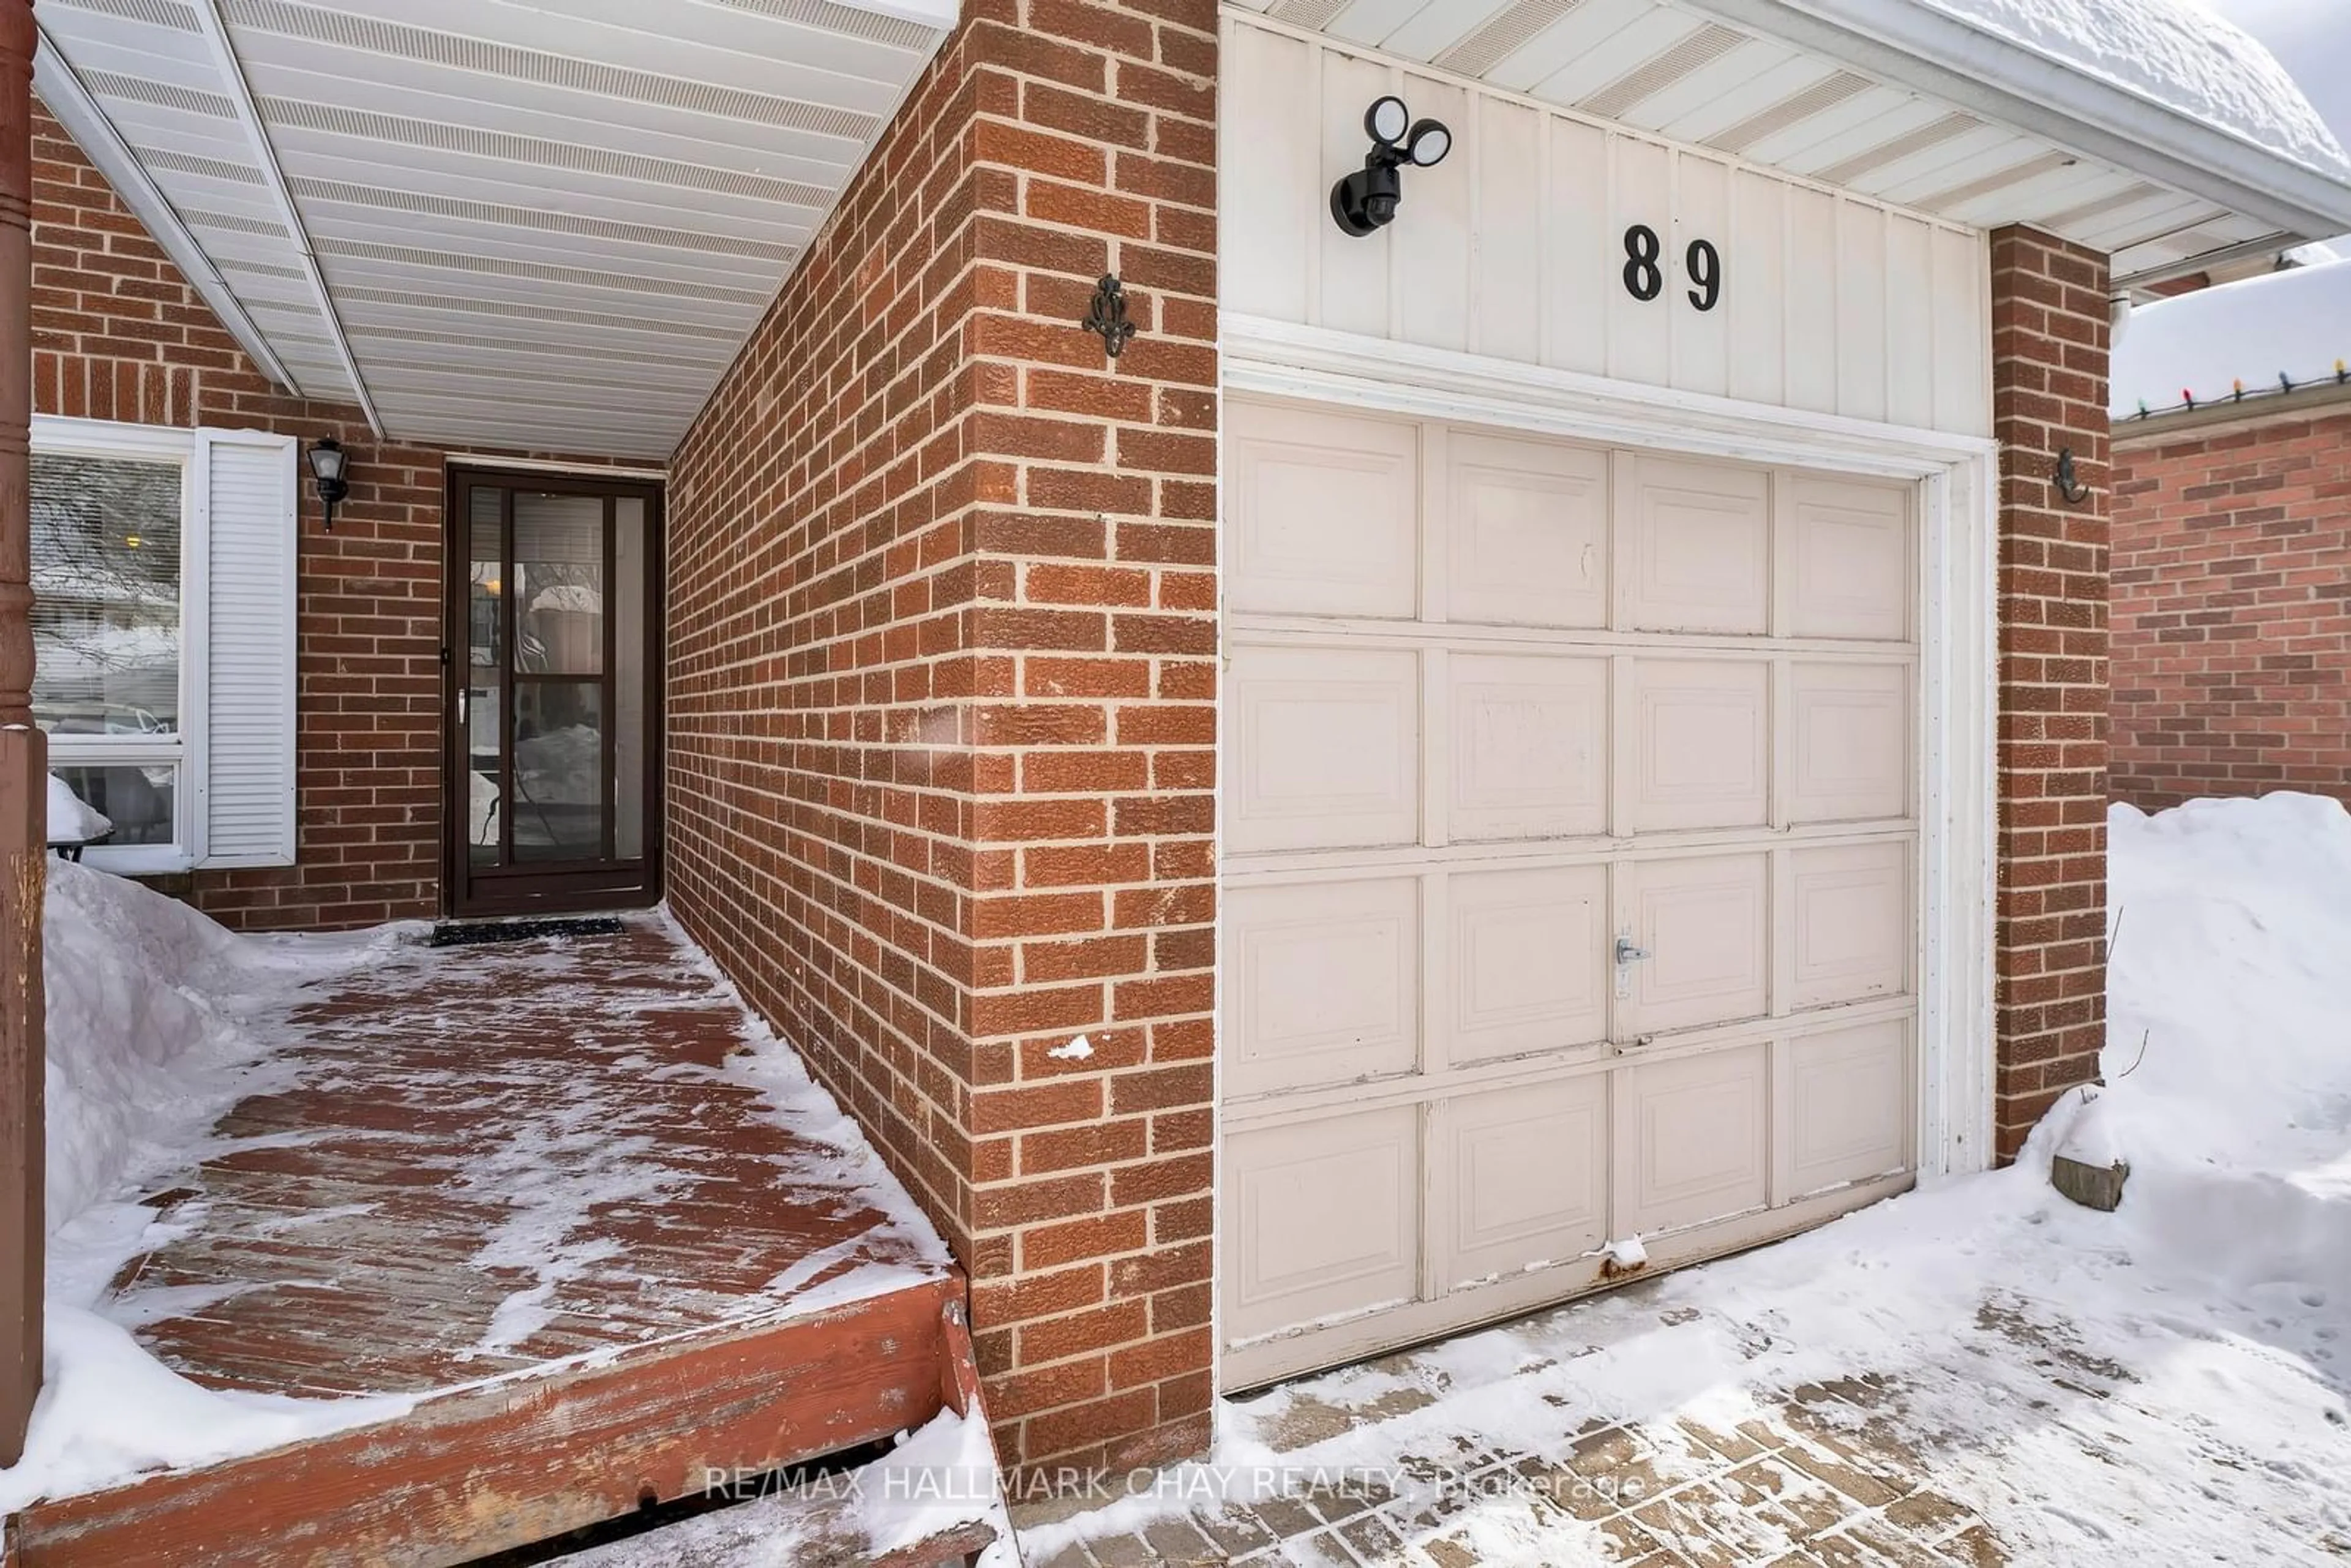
[151, 1036]
[71, 819]
[2091, 1136]
[2295, 323]
[159, 1020]
[939, 1478]
[148, 1038]
[575, 598]
[2196, 1412]
[2175, 53]
[850, 1166]
[1628, 1254]
[2165, 1383]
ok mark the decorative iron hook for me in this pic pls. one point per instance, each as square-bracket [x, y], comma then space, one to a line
[1107, 315]
[2068, 485]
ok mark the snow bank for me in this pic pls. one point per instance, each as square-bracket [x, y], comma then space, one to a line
[143, 1038]
[150, 1039]
[2229, 1043]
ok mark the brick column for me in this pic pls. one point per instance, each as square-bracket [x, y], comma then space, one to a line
[2049, 328]
[942, 696]
[24, 769]
[1094, 626]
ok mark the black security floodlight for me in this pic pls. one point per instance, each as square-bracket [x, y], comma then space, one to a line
[1366, 199]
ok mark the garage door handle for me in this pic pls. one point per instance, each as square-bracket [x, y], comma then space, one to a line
[1627, 955]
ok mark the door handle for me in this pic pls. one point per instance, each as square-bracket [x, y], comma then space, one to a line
[1628, 953]
[462, 694]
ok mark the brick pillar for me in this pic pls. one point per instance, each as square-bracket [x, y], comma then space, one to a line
[24, 769]
[2049, 328]
[942, 696]
[1095, 633]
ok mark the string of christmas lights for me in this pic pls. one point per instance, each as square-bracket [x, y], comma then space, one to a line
[2189, 401]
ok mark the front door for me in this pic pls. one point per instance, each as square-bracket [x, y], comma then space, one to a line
[554, 660]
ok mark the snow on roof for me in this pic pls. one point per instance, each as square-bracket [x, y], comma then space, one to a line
[2175, 53]
[2295, 324]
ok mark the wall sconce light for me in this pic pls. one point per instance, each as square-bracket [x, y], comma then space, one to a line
[1366, 199]
[329, 464]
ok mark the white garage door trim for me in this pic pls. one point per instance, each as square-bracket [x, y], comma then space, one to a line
[1957, 497]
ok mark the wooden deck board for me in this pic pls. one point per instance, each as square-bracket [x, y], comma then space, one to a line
[546, 1131]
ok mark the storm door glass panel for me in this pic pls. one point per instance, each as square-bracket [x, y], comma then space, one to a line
[562, 751]
[485, 679]
[631, 596]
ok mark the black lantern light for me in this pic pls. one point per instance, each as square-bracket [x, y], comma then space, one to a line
[1366, 199]
[328, 464]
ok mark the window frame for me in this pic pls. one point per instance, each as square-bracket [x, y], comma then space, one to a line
[184, 753]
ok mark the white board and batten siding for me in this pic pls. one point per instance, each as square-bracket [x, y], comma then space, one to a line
[1515, 248]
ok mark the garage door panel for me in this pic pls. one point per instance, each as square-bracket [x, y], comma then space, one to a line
[1523, 1176]
[1851, 742]
[1527, 964]
[1695, 540]
[1324, 747]
[1324, 1219]
[1701, 744]
[1556, 696]
[1322, 985]
[1704, 923]
[1324, 512]
[1692, 1140]
[1850, 1105]
[1851, 928]
[1530, 752]
[1527, 532]
[1847, 559]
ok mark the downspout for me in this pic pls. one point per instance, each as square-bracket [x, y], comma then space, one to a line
[24, 768]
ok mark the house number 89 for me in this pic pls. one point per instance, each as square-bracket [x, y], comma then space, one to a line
[1645, 280]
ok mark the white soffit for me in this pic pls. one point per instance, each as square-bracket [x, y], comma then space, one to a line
[544, 225]
[1772, 82]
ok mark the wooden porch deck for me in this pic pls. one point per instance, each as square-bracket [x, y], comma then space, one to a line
[534, 1189]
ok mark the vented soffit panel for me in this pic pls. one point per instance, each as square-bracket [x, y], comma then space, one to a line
[534, 216]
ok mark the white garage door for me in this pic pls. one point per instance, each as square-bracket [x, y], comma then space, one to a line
[1570, 861]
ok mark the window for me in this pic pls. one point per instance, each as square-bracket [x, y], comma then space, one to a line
[107, 574]
[143, 541]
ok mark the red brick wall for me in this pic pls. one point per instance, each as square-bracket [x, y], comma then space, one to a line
[2049, 393]
[942, 715]
[2232, 612]
[118, 333]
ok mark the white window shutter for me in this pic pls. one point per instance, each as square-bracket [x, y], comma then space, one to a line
[248, 489]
